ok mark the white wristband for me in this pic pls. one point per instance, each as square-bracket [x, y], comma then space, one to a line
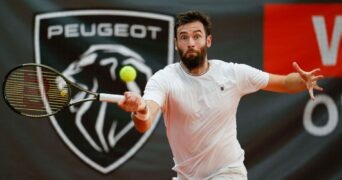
[142, 116]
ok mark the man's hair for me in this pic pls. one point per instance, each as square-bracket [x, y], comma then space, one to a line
[193, 16]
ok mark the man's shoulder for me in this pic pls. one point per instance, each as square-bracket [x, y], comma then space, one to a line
[221, 64]
[168, 70]
[226, 64]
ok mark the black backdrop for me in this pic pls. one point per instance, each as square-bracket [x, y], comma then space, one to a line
[270, 125]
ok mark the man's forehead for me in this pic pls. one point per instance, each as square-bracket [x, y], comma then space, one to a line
[191, 27]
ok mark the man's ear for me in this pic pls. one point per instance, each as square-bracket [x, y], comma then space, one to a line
[175, 42]
[209, 41]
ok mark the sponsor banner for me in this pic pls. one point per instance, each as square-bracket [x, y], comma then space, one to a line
[90, 47]
[307, 33]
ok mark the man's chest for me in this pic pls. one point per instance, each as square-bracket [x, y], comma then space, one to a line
[200, 96]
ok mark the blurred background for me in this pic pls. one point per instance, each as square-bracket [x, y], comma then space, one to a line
[284, 136]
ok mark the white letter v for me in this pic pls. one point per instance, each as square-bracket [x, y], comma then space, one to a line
[328, 53]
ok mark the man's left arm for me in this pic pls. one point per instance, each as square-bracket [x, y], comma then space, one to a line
[295, 82]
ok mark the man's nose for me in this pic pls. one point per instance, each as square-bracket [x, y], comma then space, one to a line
[191, 42]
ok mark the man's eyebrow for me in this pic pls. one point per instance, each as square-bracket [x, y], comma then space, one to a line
[195, 31]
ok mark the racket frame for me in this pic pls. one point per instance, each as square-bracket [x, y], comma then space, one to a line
[68, 82]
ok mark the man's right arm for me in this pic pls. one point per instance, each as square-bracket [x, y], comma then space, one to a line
[143, 112]
[144, 119]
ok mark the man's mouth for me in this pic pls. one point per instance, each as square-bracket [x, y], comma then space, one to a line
[191, 52]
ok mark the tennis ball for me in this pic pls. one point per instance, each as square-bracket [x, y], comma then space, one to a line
[127, 73]
[64, 92]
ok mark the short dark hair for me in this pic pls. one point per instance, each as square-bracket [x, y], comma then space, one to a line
[193, 16]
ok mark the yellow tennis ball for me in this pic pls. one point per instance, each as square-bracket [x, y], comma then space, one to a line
[64, 92]
[127, 73]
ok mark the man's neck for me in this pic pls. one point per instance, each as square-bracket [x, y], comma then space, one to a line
[199, 70]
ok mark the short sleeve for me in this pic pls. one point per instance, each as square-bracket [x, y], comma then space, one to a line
[250, 79]
[155, 89]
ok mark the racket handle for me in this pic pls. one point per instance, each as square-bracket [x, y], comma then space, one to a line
[111, 98]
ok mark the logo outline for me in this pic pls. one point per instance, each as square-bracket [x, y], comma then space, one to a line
[53, 120]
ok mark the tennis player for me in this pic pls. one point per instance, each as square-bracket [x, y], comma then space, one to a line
[199, 99]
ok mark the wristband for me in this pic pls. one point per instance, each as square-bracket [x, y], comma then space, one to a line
[142, 116]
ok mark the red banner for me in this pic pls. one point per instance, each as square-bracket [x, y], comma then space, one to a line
[307, 33]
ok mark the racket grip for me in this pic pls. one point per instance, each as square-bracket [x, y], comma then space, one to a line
[111, 98]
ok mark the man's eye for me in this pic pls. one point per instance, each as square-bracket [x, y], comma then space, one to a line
[183, 37]
[197, 36]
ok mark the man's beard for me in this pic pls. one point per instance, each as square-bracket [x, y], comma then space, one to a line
[193, 61]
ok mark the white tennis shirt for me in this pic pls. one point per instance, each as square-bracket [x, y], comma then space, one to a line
[200, 114]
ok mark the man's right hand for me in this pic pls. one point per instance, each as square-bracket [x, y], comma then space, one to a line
[132, 102]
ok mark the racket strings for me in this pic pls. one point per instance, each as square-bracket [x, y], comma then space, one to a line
[36, 91]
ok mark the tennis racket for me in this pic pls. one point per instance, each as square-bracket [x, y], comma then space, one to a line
[36, 90]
